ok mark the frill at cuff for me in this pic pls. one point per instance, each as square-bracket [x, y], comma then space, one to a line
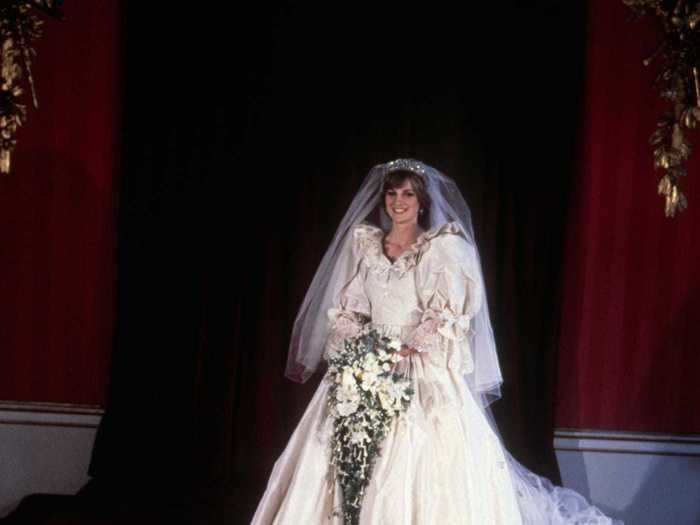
[343, 325]
[445, 331]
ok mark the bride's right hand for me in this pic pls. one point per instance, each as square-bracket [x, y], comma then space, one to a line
[407, 351]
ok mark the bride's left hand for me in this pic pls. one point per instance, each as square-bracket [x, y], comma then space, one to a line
[407, 351]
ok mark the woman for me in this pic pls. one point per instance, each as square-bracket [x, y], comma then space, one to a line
[415, 276]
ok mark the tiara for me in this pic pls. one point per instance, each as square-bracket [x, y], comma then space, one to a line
[406, 164]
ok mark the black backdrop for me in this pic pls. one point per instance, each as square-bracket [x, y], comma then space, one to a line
[245, 135]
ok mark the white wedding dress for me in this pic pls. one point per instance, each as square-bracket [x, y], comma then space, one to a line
[443, 464]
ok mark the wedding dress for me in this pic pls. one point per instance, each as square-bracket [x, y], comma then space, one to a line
[442, 464]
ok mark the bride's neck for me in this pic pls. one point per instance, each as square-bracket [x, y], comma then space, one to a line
[404, 234]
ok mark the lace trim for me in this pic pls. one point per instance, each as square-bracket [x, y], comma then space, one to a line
[369, 240]
[425, 337]
[344, 324]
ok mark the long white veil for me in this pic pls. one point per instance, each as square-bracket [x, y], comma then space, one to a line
[540, 502]
[447, 204]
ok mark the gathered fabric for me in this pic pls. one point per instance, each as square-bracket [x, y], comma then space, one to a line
[441, 464]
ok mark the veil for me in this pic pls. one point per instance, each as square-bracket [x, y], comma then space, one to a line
[540, 502]
[447, 205]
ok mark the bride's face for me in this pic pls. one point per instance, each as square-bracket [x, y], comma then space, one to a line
[401, 203]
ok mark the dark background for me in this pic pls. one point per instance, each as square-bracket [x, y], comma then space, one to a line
[173, 195]
[245, 136]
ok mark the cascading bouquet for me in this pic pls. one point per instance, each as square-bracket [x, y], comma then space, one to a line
[364, 397]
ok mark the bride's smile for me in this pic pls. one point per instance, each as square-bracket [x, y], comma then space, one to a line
[402, 204]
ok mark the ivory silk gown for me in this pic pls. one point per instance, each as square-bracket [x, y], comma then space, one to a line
[443, 464]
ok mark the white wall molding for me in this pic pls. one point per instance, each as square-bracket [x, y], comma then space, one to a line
[641, 477]
[44, 448]
[627, 442]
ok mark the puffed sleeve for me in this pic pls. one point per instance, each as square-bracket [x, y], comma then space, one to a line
[449, 296]
[351, 308]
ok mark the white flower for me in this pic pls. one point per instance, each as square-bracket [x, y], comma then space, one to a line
[396, 357]
[394, 344]
[346, 409]
[348, 381]
[385, 400]
[386, 367]
[370, 363]
[358, 437]
[347, 395]
[368, 380]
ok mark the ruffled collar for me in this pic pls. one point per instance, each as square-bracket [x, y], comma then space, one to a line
[373, 237]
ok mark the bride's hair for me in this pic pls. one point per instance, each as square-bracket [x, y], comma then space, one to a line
[395, 179]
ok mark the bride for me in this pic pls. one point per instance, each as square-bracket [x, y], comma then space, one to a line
[404, 259]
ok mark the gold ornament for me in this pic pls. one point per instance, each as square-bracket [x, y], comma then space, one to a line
[19, 27]
[678, 81]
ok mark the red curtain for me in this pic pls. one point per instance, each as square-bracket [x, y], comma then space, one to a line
[628, 358]
[57, 216]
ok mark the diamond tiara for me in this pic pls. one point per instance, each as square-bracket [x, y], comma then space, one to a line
[406, 164]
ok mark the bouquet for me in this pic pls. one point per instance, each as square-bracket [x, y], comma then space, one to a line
[364, 397]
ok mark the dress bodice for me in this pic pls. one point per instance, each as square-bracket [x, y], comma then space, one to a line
[390, 287]
[394, 290]
[426, 297]
[392, 295]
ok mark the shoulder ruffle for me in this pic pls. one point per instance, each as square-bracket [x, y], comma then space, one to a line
[367, 243]
[364, 232]
[367, 240]
[444, 230]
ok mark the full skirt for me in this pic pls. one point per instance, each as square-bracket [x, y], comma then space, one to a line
[441, 464]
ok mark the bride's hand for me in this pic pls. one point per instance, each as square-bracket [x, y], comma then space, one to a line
[407, 351]
[404, 352]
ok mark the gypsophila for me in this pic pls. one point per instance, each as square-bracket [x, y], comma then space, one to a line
[364, 397]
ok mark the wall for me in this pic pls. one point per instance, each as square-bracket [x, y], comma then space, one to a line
[44, 448]
[628, 356]
[57, 216]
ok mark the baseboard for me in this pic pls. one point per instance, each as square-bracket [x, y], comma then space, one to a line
[686, 445]
[44, 448]
[641, 477]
